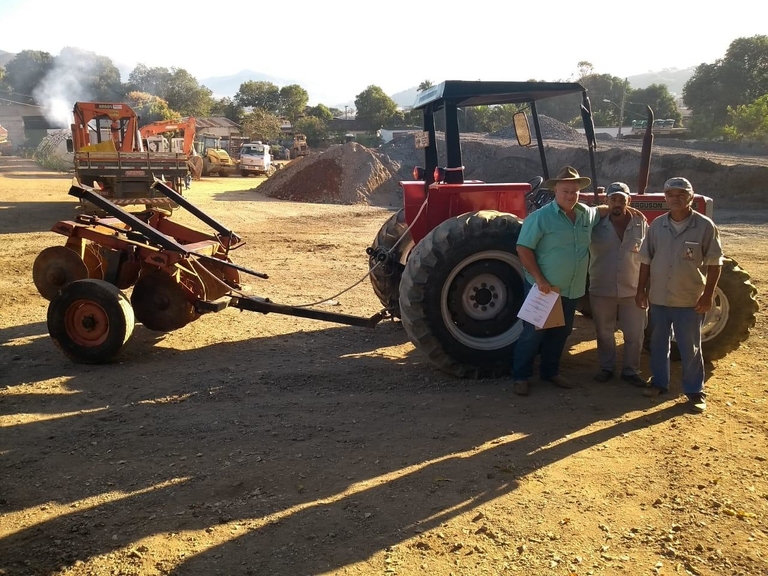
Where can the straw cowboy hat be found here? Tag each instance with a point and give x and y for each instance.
(568, 174)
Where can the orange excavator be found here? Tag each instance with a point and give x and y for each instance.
(109, 155)
(152, 134)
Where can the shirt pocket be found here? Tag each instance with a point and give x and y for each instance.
(583, 236)
(691, 252)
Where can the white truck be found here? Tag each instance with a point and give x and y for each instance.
(256, 159)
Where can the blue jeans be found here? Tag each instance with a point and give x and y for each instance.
(687, 326)
(549, 343)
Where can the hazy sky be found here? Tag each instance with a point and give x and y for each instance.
(336, 50)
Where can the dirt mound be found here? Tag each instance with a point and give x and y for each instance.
(344, 174)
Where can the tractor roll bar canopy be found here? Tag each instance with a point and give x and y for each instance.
(451, 95)
(479, 93)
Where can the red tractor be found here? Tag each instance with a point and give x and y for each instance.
(446, 263)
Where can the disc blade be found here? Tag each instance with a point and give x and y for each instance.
(160, 303)
(54, 268)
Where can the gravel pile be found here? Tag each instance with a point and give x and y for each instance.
(551, 129)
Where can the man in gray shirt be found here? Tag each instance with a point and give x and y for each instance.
(681, 263)
(614, 269)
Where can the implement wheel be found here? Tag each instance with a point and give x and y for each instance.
(90, 320)
(385, 278)
(461, 291)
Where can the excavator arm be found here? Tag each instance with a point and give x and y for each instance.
(187, 127)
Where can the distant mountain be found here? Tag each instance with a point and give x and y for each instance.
(5, 57)
(405, 98)
(673, 78)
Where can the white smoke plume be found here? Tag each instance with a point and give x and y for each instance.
(70, 81)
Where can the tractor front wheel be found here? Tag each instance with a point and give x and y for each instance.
(460, 293)
(386, 259)
(90, 320)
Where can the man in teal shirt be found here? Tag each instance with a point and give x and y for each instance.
(553, 247)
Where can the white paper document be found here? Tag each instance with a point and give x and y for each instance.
(537, 306)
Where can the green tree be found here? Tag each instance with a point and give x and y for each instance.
(262, 95)
(412, 117)
(585, 68)
(424, 85)
(293, 101)
(176, 86)
(739, 78)
(600, 87)
(313, 128)
(185, 95)
(374, 108)
(151, 108)
(153, 81)
(228, 108)
(748, 121)
(24, 72)
(656, 96)
(321, 111)
(261, 125)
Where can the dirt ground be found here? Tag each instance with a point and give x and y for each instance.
(272, 445)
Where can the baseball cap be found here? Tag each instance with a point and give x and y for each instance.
(617, 188)
(678, 183)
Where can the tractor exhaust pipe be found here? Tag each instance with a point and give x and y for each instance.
(645, 155)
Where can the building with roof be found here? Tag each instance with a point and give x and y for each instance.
(26, 123)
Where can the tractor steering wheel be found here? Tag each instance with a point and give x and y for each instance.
(535, 183)
(535, 199)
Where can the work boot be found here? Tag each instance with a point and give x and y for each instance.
(653, 391)
(520, 387)
(559, 381)
(604, 375)
(697, 403)
(635, 380)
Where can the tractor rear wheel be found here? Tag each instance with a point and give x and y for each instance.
(90, 320)
(461, 290)
(390, 251)
(732, 316)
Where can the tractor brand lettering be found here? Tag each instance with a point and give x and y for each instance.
(109, 106)
(649, 205)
